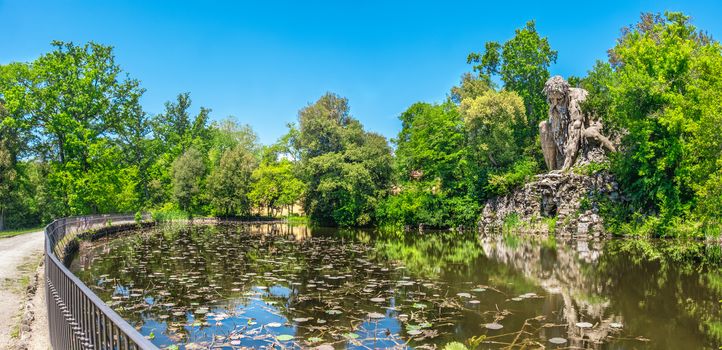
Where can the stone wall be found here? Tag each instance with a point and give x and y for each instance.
(569, 197)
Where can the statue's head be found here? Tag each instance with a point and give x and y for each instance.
(556, 90)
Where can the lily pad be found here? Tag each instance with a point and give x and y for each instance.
(351, 335)
(557, 340)
(584, 325)
(284, 337)
(493, 326)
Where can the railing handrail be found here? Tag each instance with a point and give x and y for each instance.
(84, 325)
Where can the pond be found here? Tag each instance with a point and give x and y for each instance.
(232, 286)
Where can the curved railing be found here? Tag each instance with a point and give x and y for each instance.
(77, 318)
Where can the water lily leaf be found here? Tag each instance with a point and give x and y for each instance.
(284, 337)
(376, 315)
(557, 340)
(455, 346)
(351, 335)
(412, 327)
(493, 326)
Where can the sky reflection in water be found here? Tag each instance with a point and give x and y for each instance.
(235, 285)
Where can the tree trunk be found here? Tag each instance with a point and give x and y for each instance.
(2, 219)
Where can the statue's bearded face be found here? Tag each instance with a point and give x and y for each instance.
(556, 99)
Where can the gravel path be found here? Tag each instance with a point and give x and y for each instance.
(19, 259)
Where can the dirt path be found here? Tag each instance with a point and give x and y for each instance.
(19, 259)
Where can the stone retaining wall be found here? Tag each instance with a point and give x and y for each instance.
(569, 198)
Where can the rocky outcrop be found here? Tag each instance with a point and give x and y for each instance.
(565, 203)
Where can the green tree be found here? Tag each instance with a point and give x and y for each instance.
(75, 98)
(345, 168)
(663, 87)
(229, 183)
(434, 186)
(188, 172)
(495, 123)
(174, 132)
(7, 178)
(522, 63)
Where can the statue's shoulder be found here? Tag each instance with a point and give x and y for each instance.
(577, 94)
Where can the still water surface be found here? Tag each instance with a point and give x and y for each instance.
(230, 286)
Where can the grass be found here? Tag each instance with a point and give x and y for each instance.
(295, 219)
(12, 233)
(511, 223)
(551, 224)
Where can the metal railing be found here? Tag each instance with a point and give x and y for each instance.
(77, 318)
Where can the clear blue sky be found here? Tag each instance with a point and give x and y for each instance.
(262, 62)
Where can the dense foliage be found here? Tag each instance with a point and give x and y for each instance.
(74, 140)
(663, 87)
(345, 168)
(480, 143)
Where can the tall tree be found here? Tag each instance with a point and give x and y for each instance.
(188, 172)
(346, 169)
(662, 86)
(434, 184)
(522, 63)
(75, 98)
(174, 132)
(7, 178)
(495, 124)
(230, 182)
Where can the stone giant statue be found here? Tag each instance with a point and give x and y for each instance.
(568, 132)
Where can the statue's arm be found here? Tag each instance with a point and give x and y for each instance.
(593, 133)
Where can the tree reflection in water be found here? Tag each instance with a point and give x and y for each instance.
(257, 285)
